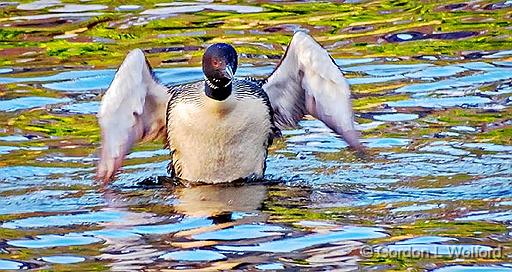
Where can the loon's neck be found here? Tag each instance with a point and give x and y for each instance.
(217, 89)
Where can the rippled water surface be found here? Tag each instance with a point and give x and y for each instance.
(432, 86)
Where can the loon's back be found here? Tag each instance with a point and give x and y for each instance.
(217, 141)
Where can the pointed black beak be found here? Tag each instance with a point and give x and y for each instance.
(228, 72)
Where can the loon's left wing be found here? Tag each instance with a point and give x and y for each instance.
(132, 110)
(307, 81)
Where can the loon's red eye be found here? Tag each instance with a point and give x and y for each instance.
(216, 63)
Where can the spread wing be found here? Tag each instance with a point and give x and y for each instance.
(307, 81)
(131, 110)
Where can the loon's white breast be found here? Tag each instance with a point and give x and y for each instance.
(217, 141)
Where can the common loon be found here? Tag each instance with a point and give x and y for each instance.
(219, 129)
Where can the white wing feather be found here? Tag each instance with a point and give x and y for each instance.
(307, 81)
(132, 110)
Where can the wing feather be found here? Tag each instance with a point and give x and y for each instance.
(307, 81)
(131, 110)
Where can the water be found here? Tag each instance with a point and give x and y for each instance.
(432, 85)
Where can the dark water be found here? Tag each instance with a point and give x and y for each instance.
(437, 180)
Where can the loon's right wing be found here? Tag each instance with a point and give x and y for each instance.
(307, 81)
(132, 110)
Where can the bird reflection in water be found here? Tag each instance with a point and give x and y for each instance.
(189, 231)
(129, 245)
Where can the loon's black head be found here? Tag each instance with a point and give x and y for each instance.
(219, 66)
